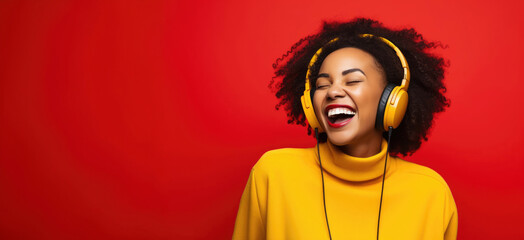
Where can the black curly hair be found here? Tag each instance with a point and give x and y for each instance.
(426, 90)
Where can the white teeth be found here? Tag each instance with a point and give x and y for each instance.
(335, 111)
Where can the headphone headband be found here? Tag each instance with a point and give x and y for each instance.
(405, 80)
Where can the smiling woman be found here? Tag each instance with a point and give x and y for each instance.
(353, 184)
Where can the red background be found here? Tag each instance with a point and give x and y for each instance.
(142, 119)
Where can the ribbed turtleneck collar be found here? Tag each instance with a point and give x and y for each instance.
(352, 168)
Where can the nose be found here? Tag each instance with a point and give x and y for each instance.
(335, 91)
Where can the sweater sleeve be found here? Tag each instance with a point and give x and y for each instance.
(249, 223)
(452, 218)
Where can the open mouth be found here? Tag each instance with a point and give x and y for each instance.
(339, 115)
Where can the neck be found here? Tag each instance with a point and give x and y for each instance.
(365, 148)
(352, 168)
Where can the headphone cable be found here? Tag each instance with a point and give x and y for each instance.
(323, 188)
(390, 130)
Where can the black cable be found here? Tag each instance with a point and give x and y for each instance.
(390, 130)
(323, 188)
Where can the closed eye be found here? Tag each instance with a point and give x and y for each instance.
(322, 83)
(352, 82)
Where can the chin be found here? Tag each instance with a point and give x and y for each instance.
(352, 137)
(340, 139)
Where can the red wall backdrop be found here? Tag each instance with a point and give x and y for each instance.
(142, 119)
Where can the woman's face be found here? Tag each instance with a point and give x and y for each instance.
(349, 86)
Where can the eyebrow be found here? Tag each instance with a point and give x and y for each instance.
(345, 72)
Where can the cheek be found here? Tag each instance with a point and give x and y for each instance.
(369, 105)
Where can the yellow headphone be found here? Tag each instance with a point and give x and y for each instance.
(393, 102)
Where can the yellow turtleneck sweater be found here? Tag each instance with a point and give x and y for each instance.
(283, 198)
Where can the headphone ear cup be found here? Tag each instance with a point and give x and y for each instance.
(396, 107)
(382, 105)
(309, 111)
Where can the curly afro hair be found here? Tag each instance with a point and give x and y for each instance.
(426, 90)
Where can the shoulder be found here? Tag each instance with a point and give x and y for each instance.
(421, 174)
(425, 183)
(285, 160)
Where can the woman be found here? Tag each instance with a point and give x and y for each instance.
(351, 83)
